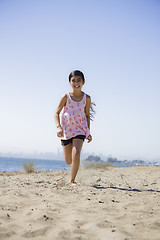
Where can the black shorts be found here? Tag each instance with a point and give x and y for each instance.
(68, 141)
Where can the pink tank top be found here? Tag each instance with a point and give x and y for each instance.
(74, 121)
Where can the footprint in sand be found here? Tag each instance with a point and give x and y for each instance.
(6, 234)
(36, 233)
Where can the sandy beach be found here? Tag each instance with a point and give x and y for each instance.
(110, 203)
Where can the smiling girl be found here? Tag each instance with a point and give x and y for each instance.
(74, 126)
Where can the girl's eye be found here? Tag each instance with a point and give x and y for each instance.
(78, 80)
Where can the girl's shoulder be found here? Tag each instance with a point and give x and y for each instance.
(64, 99)
(65, 96)
(88, 98)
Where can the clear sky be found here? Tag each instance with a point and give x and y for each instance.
(116, 43)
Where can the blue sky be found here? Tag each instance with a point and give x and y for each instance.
(117, 46)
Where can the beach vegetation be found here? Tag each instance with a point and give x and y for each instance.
(99, 165)
(29, 167)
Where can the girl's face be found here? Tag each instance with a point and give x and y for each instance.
(76, 82)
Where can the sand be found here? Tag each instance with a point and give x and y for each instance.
(110, 203)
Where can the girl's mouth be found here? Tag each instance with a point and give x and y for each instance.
(76, 86)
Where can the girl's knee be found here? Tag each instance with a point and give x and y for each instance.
(68, 153)
(68, 161)
(76, 151)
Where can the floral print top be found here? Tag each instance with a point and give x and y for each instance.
(74, 121)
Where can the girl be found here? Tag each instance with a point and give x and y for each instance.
(75, 123)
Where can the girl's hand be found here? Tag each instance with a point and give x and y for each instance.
(89, 138)
(59, 132)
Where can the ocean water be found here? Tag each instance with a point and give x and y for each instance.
(15, 164)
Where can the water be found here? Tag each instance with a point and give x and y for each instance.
(15, 164)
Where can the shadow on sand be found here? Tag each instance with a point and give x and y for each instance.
(124, 189)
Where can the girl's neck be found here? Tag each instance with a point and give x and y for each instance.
(77, 93)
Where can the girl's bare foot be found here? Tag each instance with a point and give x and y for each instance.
(73, 183)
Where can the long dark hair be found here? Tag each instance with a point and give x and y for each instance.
(92, 111)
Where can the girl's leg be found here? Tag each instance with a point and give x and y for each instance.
(76, 151)
(68, 153)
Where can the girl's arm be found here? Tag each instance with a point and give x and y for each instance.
(87, 109)
(87, 112)
(62, 103)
